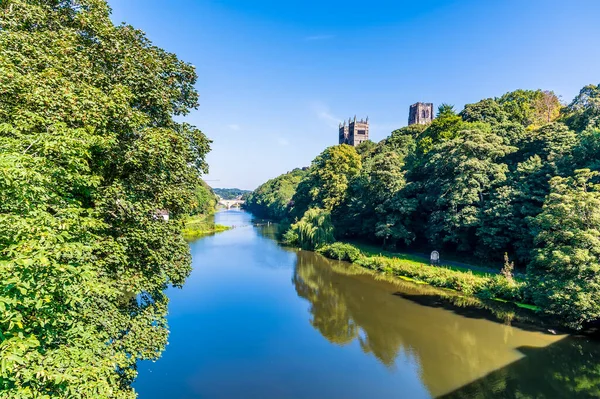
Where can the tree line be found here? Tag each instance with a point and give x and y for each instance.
(230, 193)
(516, 176)
(92, 162)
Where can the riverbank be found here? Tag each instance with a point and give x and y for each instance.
(381, 334)
(412, 268)
(202, 225)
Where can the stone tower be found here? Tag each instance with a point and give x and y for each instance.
(420, 113)
(354, 131)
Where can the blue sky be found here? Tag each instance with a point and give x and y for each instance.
(276, 77)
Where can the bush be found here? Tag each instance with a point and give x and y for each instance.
(312, 231)
(341, 251)
(483, 286)
(290, 237)
(501, 287)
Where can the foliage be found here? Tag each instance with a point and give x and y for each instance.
(230, 193)
(586, 151)
(90, 153)
(201, 225)
(312, 231)
(530, 107)
(584, 111)
(340, 251)
(564, 272)
(487, 110)
(327, 180)
(206, 201)
(445, 110)
(507, 269)
(271, 200)
(444, 128)
(466, 282)
(365, 148)
(472, 184)
(462, 171)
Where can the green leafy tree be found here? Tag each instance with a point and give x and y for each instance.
(399, 136)
(584, 111)
(487, 110)
(564, 273)
(365, 148)
(89, 155)
(586, 152)
(547, 107)
(312, 231)
(327, 180)
(446, 127)
(552, 142)
(543, 153)
(272, 199)
(206, 200)
(445, 110)
(530, 107)
(509, 208)
(368, 195)
(462, 171)
(512, 133)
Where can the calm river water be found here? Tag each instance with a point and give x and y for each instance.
(256, 320)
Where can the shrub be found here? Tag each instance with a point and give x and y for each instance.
(312, 231)
(341, 251)
(290, 237)
(500, 287)
(482, 286)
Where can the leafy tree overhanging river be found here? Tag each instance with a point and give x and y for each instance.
(257, 320)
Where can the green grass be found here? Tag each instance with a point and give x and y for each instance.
(469, 282)
(199, 226)
(372, 250)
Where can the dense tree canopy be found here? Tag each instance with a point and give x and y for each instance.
(485, 182)
(90, 156)
(327, 180)
(462, 171)
(565, 270)
(584, 111)
(206, 200)
(272, 199)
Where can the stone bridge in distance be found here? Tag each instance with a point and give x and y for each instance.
(235, 203)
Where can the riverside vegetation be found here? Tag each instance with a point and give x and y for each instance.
(91, 156)
(201, 222)
(511, 178)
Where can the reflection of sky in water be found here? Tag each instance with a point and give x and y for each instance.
(255, 320)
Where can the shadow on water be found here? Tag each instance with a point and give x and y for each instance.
(240, 329)
(476, 308)
(568, 368)
(462, 351)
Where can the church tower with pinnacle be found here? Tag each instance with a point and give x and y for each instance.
(354, 131)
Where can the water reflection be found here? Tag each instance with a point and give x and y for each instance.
(461, 357)
(568, 368)
(239, 329)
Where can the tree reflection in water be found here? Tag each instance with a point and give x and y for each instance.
(462, 352)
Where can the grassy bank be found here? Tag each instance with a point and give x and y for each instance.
(488, 286)
(201, 225)
(449, 261)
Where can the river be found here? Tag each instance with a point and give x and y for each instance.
(256, 320)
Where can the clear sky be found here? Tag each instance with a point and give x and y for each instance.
(276, 77)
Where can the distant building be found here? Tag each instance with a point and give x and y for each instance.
(162, 214)
(420, 113)
(354, 132)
